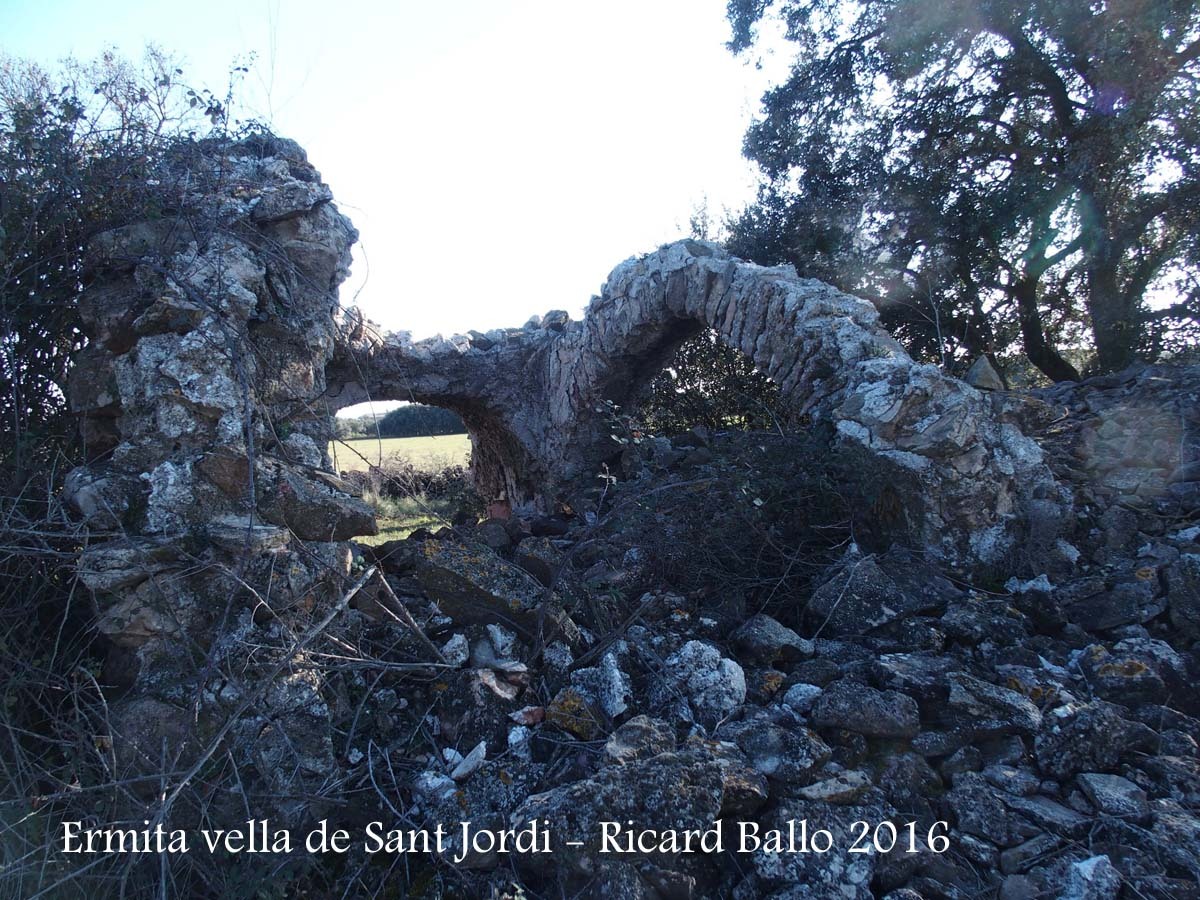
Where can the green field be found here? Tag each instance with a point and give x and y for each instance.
(429, 453)
(398, 516)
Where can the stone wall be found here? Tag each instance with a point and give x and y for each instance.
(207, 500)
(218, 354)
(215, 549)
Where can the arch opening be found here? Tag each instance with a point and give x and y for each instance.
(537, 398)
(500, 467)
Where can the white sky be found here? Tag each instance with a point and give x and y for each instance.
(498, 158)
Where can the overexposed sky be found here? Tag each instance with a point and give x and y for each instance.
(498, 158)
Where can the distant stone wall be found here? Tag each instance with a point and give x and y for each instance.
(532, 397)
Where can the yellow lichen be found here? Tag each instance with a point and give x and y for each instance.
(1128, 668)
(571, 712)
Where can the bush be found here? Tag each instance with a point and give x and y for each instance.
(748, 530)
(79, 154)
(711, 384)
(76, 155)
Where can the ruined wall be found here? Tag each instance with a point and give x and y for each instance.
(532, 397)
(215, 552)
(208, 507)
(217, 355)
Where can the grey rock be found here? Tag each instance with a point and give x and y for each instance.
(1177, 836)
(864, 595)
(1177, 777)
(474, 586)
(801, 697)
(1030, 853)
(123, 564)
(639, 738)
(1114, 795)
(713, 685)
(1129, 601)
(606, 684)
(763, 640)
(781, 753)
(920, 675)
(1019, 782)
(1183, 595)
(1080, 738)
(910, 783)
(484, 801)
(1017, 887)
(1047, 814)
(670, 791)
(845, 787)
(966, 759)
(859, 708)
(493, 534)
(1094, 878)
(984, 376)
(312, 508)
(744, 788)
(993, 709)
(979, 809)
(837, 872)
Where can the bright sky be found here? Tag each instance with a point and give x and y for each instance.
(498, 158)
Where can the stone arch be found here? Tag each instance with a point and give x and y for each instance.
(501, 466)
(540, 386)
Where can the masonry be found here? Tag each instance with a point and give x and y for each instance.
(218, 355)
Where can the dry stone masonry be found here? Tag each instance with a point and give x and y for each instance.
(535, 398)
(207, 497)
(218, 354)
(1048, 727)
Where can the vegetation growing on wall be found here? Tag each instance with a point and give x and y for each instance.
(77, 147)
(709, 384)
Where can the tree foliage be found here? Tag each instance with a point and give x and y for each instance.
(988, 171)
(710, 384)
(415, 420)
(77, 151)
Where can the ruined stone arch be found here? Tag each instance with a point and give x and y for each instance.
(496, 452)
(213, 368)
(536, 388)
(528, 395)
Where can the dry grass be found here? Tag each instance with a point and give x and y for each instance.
(398, 517)
(400, 512)
(426, 453)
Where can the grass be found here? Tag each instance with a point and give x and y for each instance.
(398, 517)
(427, 453)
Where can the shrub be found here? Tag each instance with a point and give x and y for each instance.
(711, 384)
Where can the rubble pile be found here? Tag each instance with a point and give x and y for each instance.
(1046, 730)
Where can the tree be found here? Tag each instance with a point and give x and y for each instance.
(416, 420)
(984, 169)
(77, 148)
(709, 383)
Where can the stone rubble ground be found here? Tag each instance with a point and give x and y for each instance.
(1060, 748)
